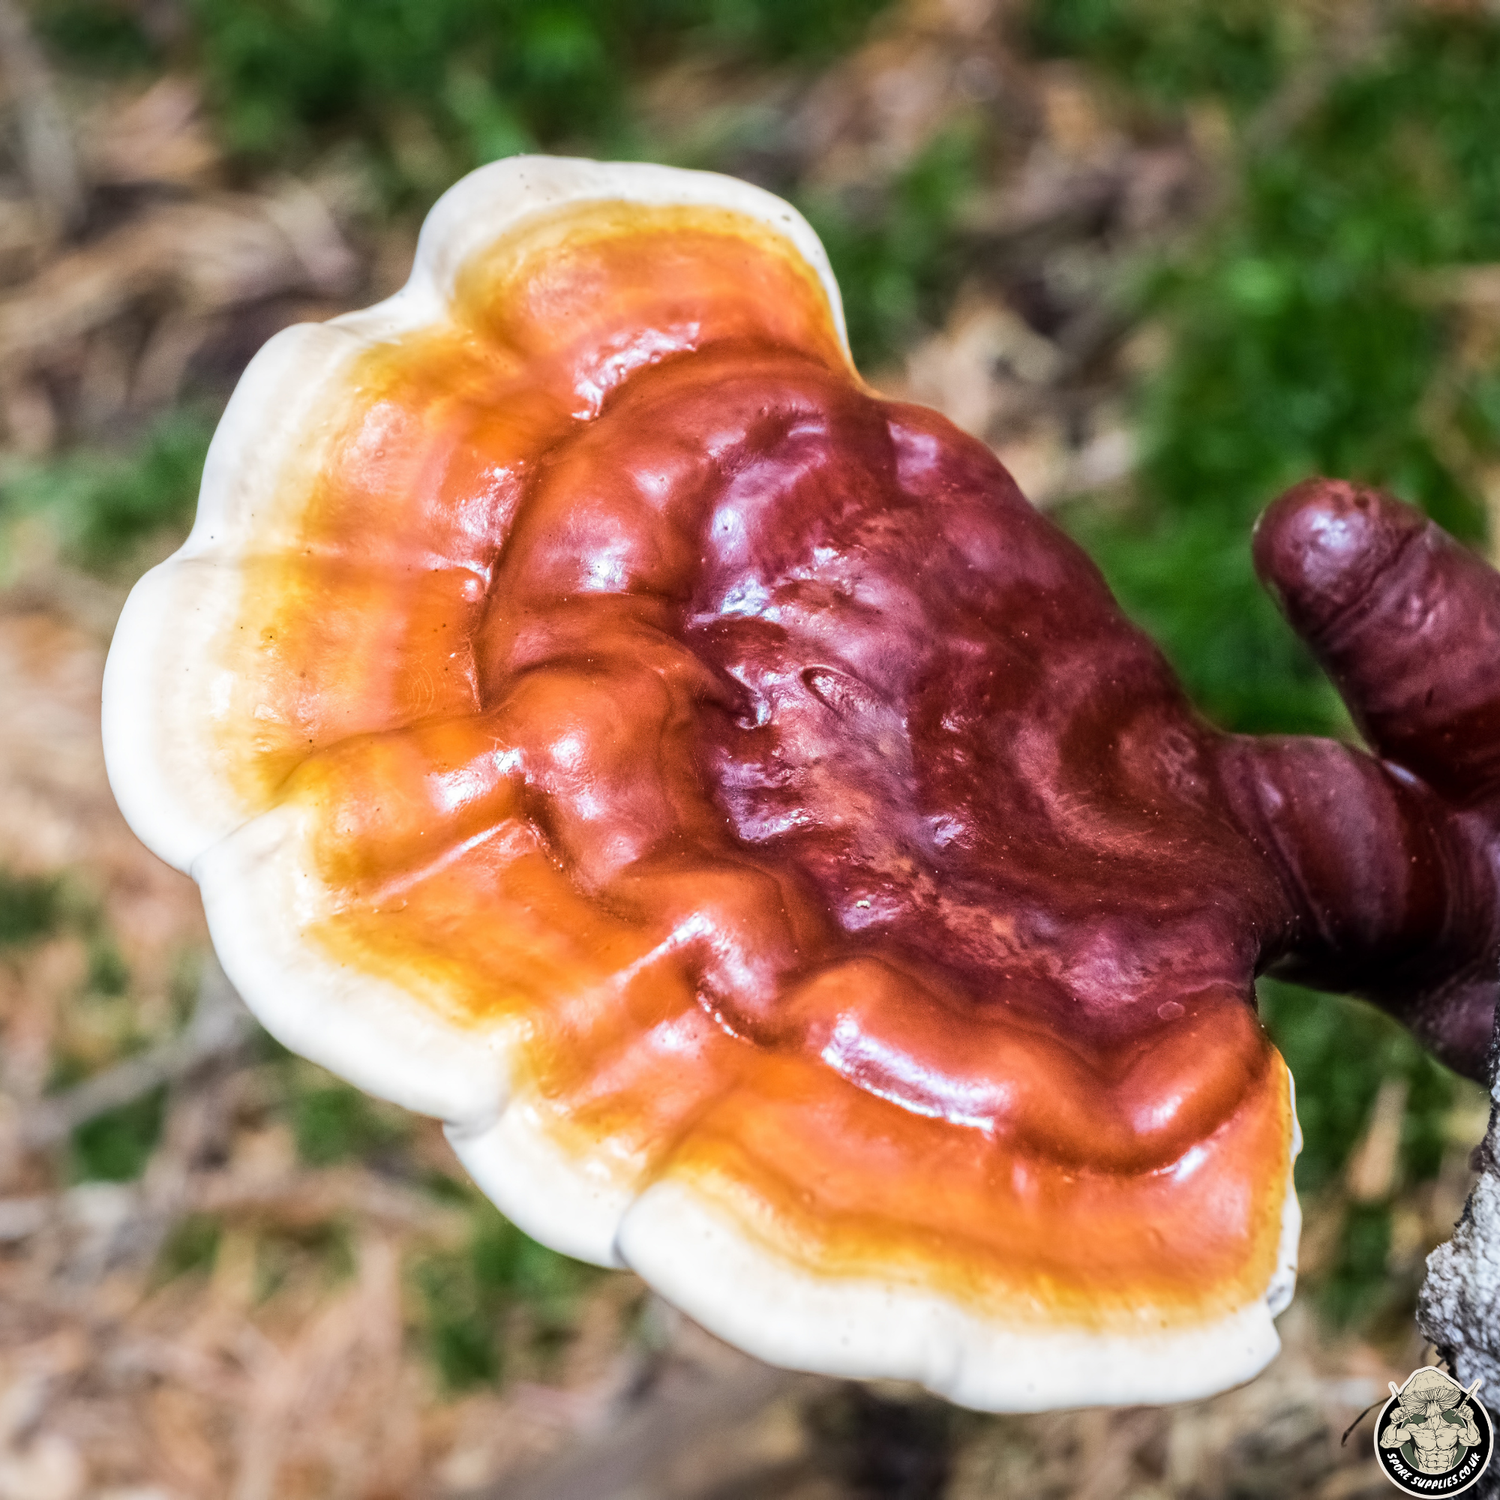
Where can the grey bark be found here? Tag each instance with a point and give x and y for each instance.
(1459, 1308)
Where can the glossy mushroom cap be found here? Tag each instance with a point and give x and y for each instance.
(596, 718)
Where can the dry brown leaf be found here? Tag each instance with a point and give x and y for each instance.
(159, 136)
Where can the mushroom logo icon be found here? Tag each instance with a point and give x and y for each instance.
(1432, 1437)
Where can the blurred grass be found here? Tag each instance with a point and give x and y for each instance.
(897, 252)
(117, 1146)
(1339, 1051)
(1171, 51)
(104, 1024)
(333, 1122)
(1300, 340)
(473, 1297)
(104, 506)
(432, 88)
(424, 92)
(497, 1292)
(30, 908)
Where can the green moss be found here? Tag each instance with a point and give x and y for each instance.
(1356, 1288)
(192, 1246)
(1186, 578)
(1172, 50)
(468, 1296)
(105, 504)
(31, 908)
(116, 1146)
(333, 1122)
(108, 974)
(100, 38)
(1339, 1051)
(896, 252)
(1301, 343)
(476, 79)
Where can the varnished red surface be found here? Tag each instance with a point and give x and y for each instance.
(801, 793)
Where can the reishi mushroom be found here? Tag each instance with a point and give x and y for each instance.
(596, 718)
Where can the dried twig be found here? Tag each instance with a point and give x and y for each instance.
(314, 1197)
(294, 1200)
(629, 1457)
(219, 1027)
(47, 145)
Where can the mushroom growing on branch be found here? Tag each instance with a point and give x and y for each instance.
(598, 719)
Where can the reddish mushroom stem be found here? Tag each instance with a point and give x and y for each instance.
(1393, 861)
(1407, 624)
(1405, 621)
